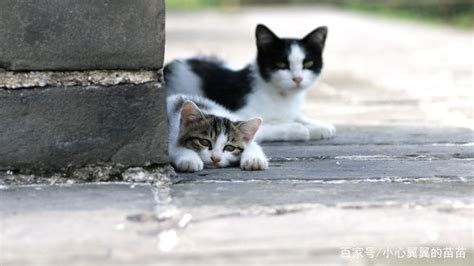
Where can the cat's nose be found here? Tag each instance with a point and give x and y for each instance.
(215, 159)
(297, 80)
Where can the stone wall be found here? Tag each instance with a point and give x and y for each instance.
(81, 85)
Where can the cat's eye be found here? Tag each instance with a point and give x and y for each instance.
(229, 148)
(281, 65)
(204, 142)
(308, 63)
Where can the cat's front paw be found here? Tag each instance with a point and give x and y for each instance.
(189, 164)
(253, 164)
(321, 131)
(298, 132)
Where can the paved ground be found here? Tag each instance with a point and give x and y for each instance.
(398, 176)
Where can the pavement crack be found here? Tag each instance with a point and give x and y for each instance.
(276, 210)
(376, 157)
(389, 179)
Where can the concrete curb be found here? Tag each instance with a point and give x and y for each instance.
(81, 85)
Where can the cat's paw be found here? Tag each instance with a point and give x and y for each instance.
(189, 164)
(321, 131)
(296, 132)
(254, 163)
(283, 132)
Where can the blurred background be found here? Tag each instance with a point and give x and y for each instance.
(455, 12)
(388, 62)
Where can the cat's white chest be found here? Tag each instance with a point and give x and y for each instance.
(272, 106)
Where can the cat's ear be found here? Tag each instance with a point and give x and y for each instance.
(190, 114)
(249, 129)
(265, 36)
(317, 37)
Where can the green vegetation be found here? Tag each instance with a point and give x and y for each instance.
(455, 12)
(196, 4)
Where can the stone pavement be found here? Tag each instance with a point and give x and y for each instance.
(315, 199)
(399, 175)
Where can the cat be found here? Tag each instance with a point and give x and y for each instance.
(272, 87)
(203, 134)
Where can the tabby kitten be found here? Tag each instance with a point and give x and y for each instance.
(204, 134)
(272, 87)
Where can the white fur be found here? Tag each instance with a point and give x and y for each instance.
(184, 80)
(280, 110)
(253, 158)
(283, 131)
(188, 160)
(185, 160)
(272, 105)
(317, 130)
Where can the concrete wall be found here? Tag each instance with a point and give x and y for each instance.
(80, 84)
(81, 34)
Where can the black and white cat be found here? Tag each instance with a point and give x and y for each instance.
(273, 87)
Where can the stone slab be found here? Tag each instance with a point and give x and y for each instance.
(118, 224)
(435, 193)
(342, 169)
(289, 151)
(60, 127)
(81, 197)
(395, 135)
(311, 237)
(430, 192)
(81, 35)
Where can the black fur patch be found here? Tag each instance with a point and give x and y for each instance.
(315, 54)
(221, 84)
(267, 57)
